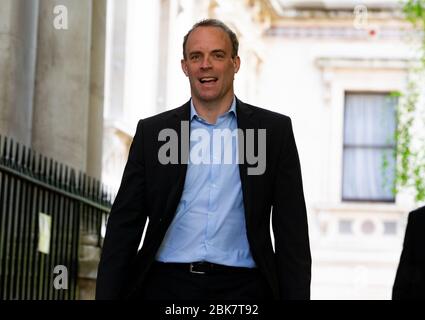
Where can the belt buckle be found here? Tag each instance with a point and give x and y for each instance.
(194, 271)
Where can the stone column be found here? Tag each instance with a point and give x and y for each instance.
(115, 60)
(141, 61)
(89, 252)
(163, 51)
(97, 80)
(62, 88)
(18, 34)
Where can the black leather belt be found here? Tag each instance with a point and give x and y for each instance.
(203, 267)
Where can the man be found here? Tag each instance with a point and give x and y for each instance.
(409, 283)
(208, 235)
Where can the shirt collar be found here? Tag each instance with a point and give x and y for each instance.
(193, 112)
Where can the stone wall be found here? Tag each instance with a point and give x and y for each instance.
(87, 266)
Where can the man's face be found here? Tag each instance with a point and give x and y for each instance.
(209, 64)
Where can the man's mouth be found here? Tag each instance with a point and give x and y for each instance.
(208, 80)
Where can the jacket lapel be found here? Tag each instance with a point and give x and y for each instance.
(245, 121)
(179, 121)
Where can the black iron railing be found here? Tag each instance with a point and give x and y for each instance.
(32, 185)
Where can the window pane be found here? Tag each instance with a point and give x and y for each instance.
(369, 119)
(364, 175)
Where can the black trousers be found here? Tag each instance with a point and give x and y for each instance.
(164, 282)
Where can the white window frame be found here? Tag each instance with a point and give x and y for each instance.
(341, 75)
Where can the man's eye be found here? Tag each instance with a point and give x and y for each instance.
(196, 57)
(219, 55)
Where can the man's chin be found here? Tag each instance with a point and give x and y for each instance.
(208, 98)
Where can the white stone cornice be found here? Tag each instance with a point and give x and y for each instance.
(362, 63)
(281, 5)
(340, 32)
(330, 66)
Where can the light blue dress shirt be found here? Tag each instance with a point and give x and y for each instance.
(209, 224)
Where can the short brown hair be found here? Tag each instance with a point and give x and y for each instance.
(214, 23)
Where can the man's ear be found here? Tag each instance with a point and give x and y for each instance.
(236, 63)
(184, 67)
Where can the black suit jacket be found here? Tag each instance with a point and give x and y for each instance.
(410, 278)
(152, 190)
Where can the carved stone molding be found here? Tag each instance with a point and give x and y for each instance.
(362, 63)
(339, 32)
(330, 66)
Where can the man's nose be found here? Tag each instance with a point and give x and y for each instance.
(206, 63)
